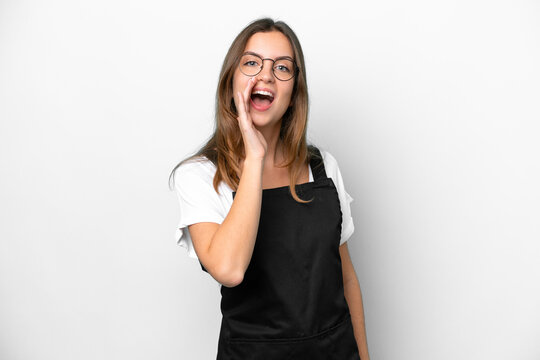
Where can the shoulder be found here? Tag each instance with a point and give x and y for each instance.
(330, 163)
(199, 164)
(328, 157)
(194, 169)
(333, 172)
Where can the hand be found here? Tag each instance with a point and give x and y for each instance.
(254, 142)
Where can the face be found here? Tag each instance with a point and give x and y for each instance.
(267, 45)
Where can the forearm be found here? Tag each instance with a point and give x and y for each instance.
(234, 240)
(353, 295)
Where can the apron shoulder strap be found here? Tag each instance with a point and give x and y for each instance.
(316, 162)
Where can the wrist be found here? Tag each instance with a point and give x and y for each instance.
(253, 165)
(254, 161)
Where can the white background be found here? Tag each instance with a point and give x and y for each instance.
(430, 108)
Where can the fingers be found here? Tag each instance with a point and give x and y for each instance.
(254, 142)
(240, 104)
(247, 91)
(242, 101)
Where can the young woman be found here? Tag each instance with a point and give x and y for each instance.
(267, 216)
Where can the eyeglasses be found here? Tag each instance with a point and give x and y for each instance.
(284, 68)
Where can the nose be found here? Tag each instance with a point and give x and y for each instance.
(266, 74)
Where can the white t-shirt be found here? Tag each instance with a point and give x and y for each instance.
(199, 202)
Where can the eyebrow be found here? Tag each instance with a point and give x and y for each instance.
(259, 55)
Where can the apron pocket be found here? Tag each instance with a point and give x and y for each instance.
(336, 343)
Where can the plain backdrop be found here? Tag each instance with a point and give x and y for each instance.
(430, 108)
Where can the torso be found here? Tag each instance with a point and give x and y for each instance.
(277, 177)
(274, 176)
(291, 303)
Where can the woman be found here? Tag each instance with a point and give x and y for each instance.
(264, 212)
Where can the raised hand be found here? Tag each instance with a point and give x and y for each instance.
(254, 143)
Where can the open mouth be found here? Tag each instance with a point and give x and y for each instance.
(261, 100)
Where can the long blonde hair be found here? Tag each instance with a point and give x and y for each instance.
(225, 148)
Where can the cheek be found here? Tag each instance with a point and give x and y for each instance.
(287, 92)
(239, 85)
(235, 86)
(236, 83)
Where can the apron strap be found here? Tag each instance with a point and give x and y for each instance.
(317, 164)
(317, 168)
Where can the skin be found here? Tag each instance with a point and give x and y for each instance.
(353, 295)
(225, 249)
(261, 128)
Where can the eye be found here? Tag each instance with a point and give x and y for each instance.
(251, 63)
(282, 68)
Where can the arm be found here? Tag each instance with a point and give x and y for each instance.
(225, 249)
(353, 295)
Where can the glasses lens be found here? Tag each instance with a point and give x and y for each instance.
(250, 64)
(284, 69)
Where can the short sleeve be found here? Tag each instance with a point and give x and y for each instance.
(199, 202)
(332, 170)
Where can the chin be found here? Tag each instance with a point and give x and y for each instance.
(265, 119)
(261, 123)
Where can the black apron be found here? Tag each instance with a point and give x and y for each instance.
(291, 303)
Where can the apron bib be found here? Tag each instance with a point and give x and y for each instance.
(291, 302)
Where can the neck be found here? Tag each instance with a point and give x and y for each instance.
(274, 150)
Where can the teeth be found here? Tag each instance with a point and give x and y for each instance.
(262, 92)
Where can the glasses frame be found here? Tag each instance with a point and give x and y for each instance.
(294, 73)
